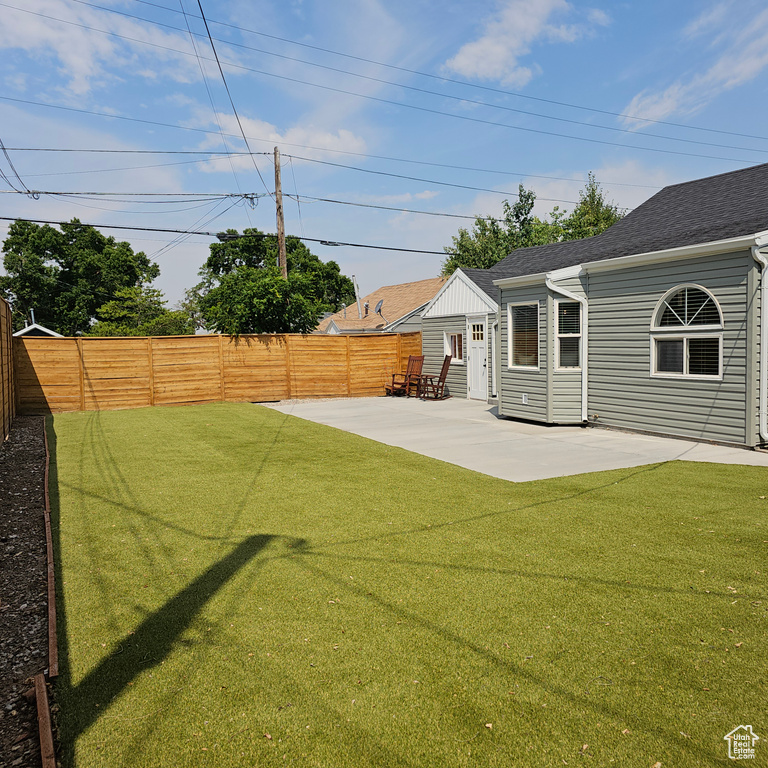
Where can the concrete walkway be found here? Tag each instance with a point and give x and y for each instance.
(468, 433)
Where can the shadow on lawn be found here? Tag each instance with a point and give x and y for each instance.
(145, 647)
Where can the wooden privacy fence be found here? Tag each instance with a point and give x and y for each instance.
(86, 374)
(7, 389)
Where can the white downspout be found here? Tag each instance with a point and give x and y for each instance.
(573, 297)
(762, 260)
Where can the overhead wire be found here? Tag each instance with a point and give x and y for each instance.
(13, 169)
(231, 100)
(368, 77)
(418, 107)
(519, 174)
(210, 97)
(322, 241)
(245, 197)
(456, 81)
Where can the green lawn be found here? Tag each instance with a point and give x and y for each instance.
(243, 588)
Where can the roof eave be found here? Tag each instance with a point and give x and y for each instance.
(711, 248)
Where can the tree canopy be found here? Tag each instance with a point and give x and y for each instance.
(73, 277)
(490, 239)
(242, 291)
(139, 311)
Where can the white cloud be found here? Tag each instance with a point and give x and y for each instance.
(88, 58)
(743, 55)
(262, 136)
(509, 35)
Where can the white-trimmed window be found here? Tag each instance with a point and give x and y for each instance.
(686, 335)
(568, 335)
(454, 346)
(523, 323)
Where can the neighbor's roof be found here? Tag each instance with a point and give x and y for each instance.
(37, 330)
(701, 211)
(398, 301)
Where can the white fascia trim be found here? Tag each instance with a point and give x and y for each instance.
(650, 257)
(566, 273)
(671, 254)
(510, 282)
(390, 326)
(449, 281)
(479, 292)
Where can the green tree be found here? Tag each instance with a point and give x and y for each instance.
(593, 214)
(242, 291)
(66, 274)
(139, 311)
(490, 240)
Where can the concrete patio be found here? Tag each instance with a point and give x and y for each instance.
(468, 433)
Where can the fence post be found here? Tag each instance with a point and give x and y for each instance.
(286, 339)
(151, 371)
(349, 369)
(221, 368)
(81, 362)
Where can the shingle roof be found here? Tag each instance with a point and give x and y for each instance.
(714, 208)
(398, 301)
(483, 278)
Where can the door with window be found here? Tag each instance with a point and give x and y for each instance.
(477, 369)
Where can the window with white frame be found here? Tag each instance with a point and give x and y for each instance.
(454, 346)
(686, 335)
(523, 320)
(568, 334)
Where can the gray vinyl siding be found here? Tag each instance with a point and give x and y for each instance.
(566, 397)
(433, 330)
(515, 382)
(622, 391)
(566, 384)
(753, 358)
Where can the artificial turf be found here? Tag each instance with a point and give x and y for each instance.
(243, 588)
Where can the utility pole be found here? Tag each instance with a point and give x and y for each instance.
(282, 261)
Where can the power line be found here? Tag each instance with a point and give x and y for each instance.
(13, 168)
(393, 208)
(519, 174)
(427, 181)
(405, 105)
(322, 241)
(452, 80)
(361, 76)
(211, 197)
(231, 101)
(210, 95)
(322, 162)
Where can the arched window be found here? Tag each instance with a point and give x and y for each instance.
(686, 335)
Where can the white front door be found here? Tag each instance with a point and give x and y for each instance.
(478, 359)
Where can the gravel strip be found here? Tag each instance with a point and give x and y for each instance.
(23, 590)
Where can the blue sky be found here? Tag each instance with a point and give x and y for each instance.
(468, 99)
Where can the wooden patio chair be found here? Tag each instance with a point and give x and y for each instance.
(433, 387)
(405, 383)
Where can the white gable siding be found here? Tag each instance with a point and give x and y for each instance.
(458, 297)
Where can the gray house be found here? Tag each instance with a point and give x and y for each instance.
(653, 325)
(462, 321)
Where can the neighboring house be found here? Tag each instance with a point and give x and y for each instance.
(37, 330)
(391, 309)
(653, 325)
